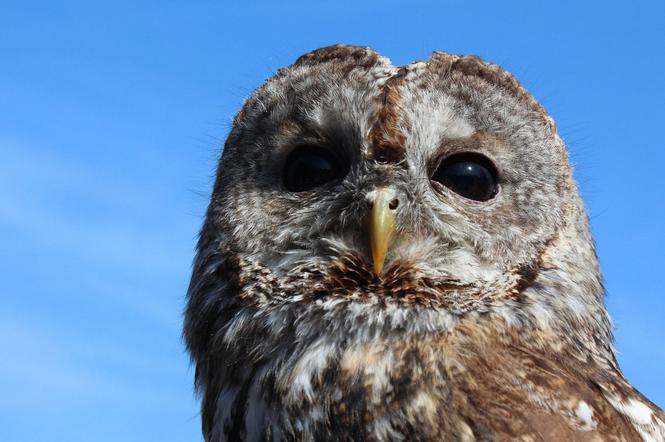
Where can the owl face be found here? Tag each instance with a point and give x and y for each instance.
(362, 209)
(440, 183)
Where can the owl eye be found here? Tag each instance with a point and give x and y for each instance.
(310, 167)
(471, 175)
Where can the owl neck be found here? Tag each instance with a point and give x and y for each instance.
(347, 358)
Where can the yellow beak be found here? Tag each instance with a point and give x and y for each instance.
(382, 225)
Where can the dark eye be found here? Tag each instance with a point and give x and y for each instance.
(310, 167)
(470, 175)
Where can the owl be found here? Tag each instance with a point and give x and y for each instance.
(401, 253)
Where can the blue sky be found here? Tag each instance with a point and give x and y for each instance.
(112, 117)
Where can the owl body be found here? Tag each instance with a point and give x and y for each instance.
(401, 253)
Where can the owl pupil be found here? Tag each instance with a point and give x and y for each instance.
(310, 167)
(469, 175)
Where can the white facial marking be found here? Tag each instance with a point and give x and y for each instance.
(585, 413)
(638, 412)
(308, 366)
(650, 427)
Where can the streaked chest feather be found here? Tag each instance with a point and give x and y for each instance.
(470, 383)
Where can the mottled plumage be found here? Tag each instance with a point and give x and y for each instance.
(487, 320)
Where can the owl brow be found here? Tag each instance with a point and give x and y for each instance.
(476, 142)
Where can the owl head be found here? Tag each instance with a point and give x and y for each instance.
(355, 199)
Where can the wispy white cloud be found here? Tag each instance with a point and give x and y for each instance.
(48, 368)
(87, 211)
(45, 372)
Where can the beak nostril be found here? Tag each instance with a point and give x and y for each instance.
(392, 205)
